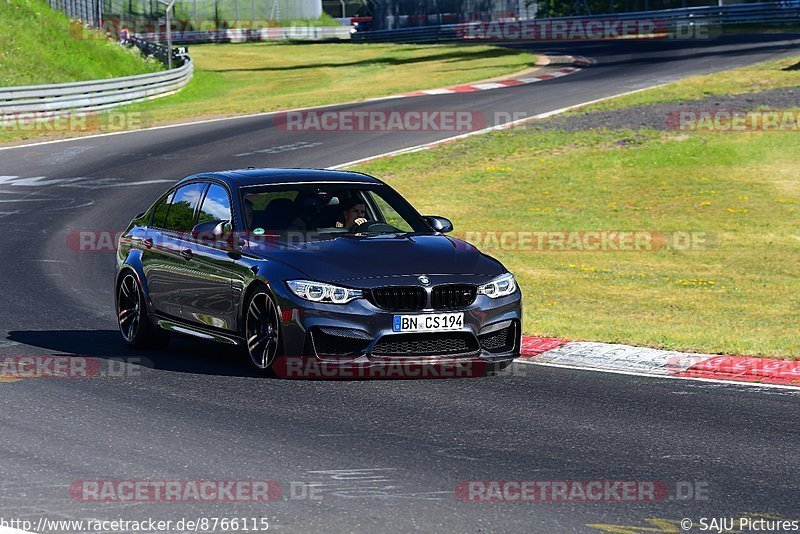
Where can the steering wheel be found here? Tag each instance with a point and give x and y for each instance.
(373, 227)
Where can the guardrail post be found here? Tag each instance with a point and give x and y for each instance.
(169, 5)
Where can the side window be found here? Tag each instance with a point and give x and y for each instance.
(160, 211)
(389, 214)
(216, 205)
(181, 211)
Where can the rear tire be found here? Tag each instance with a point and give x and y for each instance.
(134, 323)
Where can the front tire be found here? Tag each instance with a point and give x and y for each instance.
(134, 324)
(262, 330)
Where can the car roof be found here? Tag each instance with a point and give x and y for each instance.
(251, 177)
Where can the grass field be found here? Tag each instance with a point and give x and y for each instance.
(38, 46)
(733, 290)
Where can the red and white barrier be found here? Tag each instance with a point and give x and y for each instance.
(627, 359)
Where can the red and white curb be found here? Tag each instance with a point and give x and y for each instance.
(497, 85)
(575, 62)
(625, 359)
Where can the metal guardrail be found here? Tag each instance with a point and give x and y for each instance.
(782, 12)
(241, 35)
(94, 95)
(422, 34)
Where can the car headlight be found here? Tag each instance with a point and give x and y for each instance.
(499, 287)
(319, 292)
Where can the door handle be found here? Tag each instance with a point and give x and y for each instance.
(187, 253)
(147, 242)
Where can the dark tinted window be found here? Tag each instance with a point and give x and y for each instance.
(181, 210)
(160, 211)
(216, 205)
(327, 208)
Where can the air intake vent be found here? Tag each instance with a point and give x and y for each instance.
(500, 340)
(438, 344)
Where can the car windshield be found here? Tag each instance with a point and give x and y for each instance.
(328, 209)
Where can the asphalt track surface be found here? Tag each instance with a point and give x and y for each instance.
(384, 455)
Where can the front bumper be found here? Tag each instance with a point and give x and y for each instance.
(359, 335)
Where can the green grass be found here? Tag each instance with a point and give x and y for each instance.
(38, 46)
(737, 294)
(750, 79)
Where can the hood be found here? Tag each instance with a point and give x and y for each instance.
(354, 257)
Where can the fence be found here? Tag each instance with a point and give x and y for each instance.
(399, 14)
(89, 12)
(198, 14)
(343, 9)
(785, 12)
(241, 35)
(96, 95)
(219, 11)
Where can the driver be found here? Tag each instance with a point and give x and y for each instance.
(354, 212)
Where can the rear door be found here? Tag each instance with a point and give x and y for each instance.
(152, 259)
(165, 267)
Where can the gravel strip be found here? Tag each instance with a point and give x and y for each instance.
(661, 116)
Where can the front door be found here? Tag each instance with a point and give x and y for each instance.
(207, 297)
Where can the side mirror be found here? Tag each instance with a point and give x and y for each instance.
(439, 224)
(218, 232)
(211, 231)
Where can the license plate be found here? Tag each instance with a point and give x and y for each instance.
(429, 322)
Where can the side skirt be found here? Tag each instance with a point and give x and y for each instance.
(178, 327)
